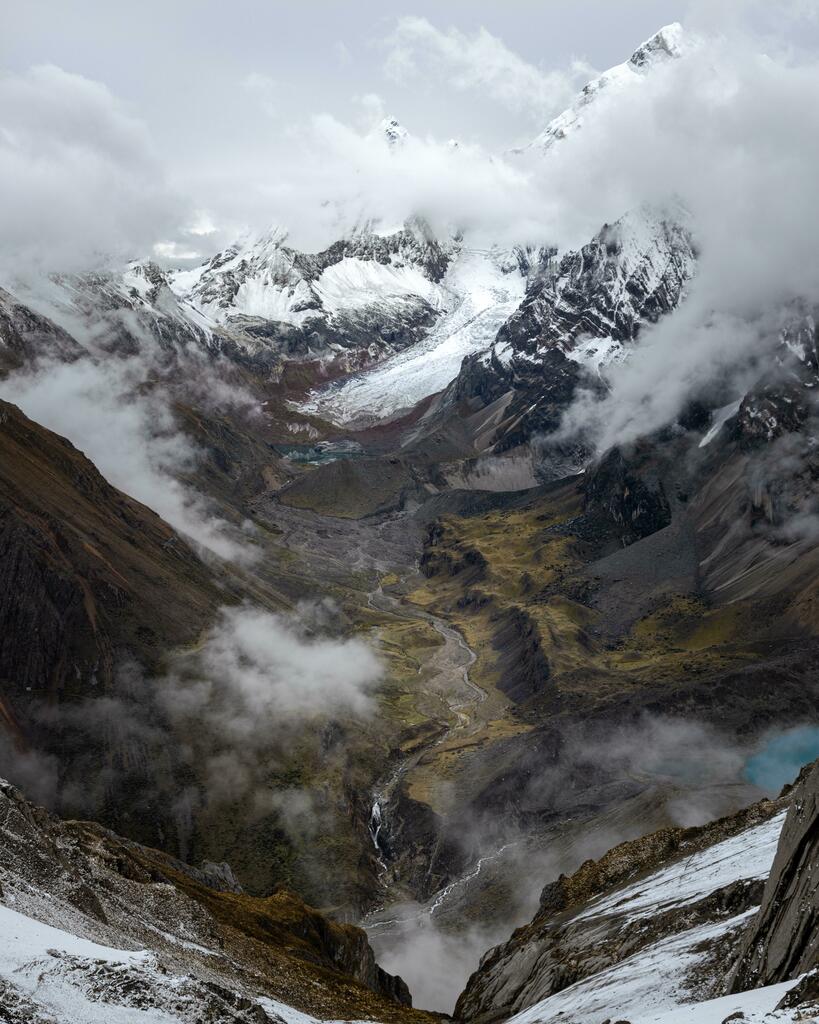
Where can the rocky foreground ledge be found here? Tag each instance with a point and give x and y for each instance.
(94, 928)
(683, 925)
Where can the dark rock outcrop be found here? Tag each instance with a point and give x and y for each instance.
(783, 941)
(624, 489)
(628, 275)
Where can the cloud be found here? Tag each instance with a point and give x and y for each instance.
(210, 733)
(129, 432)
(78, 174)
(479, 63)
(342, 53)
(733, 136)
(274, 669)
(335, 176)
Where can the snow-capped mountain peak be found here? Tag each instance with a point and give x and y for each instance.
(393, 131)
(667, 44)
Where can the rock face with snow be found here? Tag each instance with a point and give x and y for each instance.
(26, 335)
(783, 940)
(95, 928)
(366, 295)
(783, 401)
(596, 300)
(256, 303)
(122, 310)
(654, 52)
(578, 315)
(647, 928)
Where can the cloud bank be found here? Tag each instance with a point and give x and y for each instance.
(78, 174)
(129, 432)
(480, 63)
(730, 129)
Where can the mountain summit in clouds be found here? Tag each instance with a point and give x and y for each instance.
(393, 131)
(664, 45)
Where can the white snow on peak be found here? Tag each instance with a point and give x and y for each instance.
(269, 286)
(668, 43)
(480, 290)
(261, 277)
(650, 986)
(354, 283)
(393, 131)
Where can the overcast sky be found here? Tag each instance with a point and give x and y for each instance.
(207, 101)
(184, 65)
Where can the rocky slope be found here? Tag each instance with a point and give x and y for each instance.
(94, 581)
(782, 942)
(664, 901)
(95, 928)
(579, 314)
(656, 924)
(89, 572)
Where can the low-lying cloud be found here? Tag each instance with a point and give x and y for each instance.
(271, 666)
(213, 731)
(600, 784)
(129, 432)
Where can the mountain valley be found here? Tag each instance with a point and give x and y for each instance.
(361, 659)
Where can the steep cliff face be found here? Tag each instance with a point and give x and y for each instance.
(86, 569)
(783, 940)
(93, 925)
(596, 300)
(26, 335)
(646, 928)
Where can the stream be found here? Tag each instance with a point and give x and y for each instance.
(455, 658)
